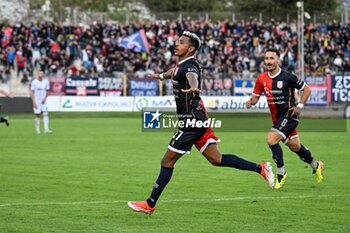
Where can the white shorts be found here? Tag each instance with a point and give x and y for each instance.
(41, 108)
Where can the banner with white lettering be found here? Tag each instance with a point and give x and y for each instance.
(217, 87)
(143, 87)
(319, 90)
(110, 86)
(339, 90)
(81, 86)
(244, 87)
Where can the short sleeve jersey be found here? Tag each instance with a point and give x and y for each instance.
(188, 105)
(279, 91)
(40, 88)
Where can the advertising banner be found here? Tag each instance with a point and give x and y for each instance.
(339, 90)
(143, 87)
(137, 104)
(57, 86)
(319, 90)
(154, 102)
(110, 86)
(217, 87)
(233, 104)
(243, 87)
(77, 86)
(96, 104)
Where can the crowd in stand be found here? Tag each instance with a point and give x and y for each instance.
(229, 48)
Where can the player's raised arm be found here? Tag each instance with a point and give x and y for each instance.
(162, 76)
(192, 79)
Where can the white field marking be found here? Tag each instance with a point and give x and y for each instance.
(178, 200)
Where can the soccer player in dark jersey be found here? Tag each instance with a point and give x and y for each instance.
(278, 86)
(5, 119)
(186, 77)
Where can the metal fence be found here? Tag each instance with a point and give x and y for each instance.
(75, 16)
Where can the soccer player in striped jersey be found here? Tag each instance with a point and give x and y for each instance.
(278, 86)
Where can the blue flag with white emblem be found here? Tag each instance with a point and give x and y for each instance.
(136, 42)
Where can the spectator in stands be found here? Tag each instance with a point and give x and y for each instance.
(21, 61)
(11, 56)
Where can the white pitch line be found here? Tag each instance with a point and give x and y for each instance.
(178, 200)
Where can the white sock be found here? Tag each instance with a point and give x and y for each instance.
(46, 121)
(37, 124)
(280, 171)
(313, 164)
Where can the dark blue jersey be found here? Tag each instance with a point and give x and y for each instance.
(188, 105)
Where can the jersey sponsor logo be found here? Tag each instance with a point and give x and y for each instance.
(276, 91)
(267, 90)
(279, 84)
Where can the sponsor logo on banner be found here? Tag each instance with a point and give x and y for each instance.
(110, 86)
(340, 89)
(319, 90)
(96, 104)
(154, 102)
(143, 87)
(244, 87)
(81, 86)
(233, 104)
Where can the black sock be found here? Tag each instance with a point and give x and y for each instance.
(277, 154)
(2, 119)
(304, 154)
(239, 163)
(163, 179)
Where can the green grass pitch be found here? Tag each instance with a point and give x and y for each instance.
(80, 178)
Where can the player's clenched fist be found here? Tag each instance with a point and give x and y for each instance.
(249, 104)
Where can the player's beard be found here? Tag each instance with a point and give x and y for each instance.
(271, 67)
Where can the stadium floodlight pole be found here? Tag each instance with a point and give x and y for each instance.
(300, 5)
(47, 7)
(346, 14)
